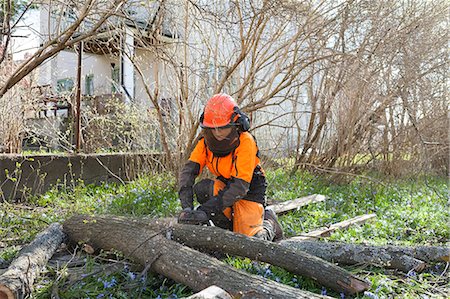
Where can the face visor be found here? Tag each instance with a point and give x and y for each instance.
(221, 145)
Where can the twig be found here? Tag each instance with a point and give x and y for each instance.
(109, 171)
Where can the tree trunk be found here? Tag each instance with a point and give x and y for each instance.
(171, 259)
(17, 281)
(394, 257)
(295, 261)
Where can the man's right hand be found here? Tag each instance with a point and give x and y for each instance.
(195, 217)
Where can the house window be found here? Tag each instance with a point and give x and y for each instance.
(89, 84)
(115, 78)
(64, 85)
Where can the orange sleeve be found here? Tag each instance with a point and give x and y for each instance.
(245, 160)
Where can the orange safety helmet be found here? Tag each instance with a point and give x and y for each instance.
(219, 112)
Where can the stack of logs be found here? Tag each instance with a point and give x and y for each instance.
(177, 251)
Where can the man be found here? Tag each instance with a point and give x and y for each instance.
(235, 199)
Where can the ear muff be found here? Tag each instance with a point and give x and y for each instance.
(243, 121)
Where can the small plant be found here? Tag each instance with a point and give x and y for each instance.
(409, 212)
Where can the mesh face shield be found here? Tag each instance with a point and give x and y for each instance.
(221, 148)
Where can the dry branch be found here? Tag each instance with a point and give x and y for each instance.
(17, 281)
(171, 259)
(393, 257)
(296, 203)
(326, 231)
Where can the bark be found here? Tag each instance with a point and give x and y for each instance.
(393, 257)
(326, 231)
(184, 265)
(289, 205)
(17, 281)
(294, 261)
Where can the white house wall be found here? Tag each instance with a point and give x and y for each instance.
(25, 40)
(64, 66)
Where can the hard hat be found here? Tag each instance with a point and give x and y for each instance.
(219, 111)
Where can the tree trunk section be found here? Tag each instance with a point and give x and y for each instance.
(394, 257)
(17, 281)
(171, 259)
(294, 261)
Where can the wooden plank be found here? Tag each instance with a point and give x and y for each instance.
(289, 205)
(212, 292)
(326, 231)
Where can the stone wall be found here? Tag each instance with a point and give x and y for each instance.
(22, 176)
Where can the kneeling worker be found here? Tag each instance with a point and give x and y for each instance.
(235, 199)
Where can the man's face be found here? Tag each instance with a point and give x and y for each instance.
(221, 133)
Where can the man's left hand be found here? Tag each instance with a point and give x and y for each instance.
(195, 217)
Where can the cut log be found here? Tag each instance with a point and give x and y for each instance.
(289, 205)
(18, 280)
(352, 254)
(171, 259)
(326, 231)
(393, 257)
(295, 261)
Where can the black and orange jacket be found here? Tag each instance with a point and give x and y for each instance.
(241, 170)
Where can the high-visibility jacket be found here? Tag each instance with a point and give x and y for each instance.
(240, 171)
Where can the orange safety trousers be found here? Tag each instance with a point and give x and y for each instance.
(247, 216)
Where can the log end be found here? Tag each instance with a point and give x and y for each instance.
(356, 286)
(6, 293)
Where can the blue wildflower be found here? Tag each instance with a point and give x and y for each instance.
(324, 291)
(109, 284)
(100, 296)
(131, 275)
(342, 295)
(411, 273)
(370, 295)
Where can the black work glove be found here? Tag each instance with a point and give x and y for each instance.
(189, 216)
(186, 196)
(212, 207)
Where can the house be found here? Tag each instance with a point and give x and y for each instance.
(108, 61)
(119, 62)
(179, 61)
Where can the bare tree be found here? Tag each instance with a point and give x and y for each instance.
(327, 84)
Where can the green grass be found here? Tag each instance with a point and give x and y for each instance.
(409, 212)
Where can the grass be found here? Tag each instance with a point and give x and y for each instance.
(409, 212)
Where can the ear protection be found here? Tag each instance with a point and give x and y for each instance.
(242, 120)
(238, 118)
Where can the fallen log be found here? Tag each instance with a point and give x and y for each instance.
(215, 239)
(326, 231)
(209, 239)
(17, 281)
(352, 254)
(289, 205)
(392, 257)
(171, 259)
